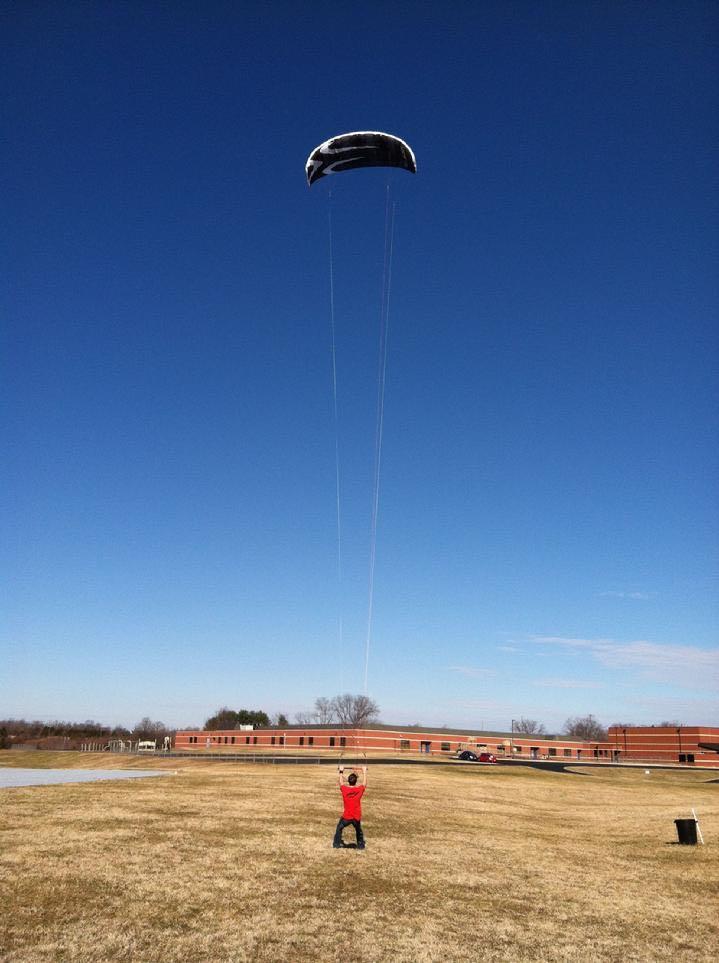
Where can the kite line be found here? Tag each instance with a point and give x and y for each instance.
(337, 437)
(389, 220)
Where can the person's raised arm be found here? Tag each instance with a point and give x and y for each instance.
(364, 773)
(340, 772)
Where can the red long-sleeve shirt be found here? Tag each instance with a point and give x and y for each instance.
(351, 796)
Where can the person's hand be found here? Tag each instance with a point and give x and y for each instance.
(342, 768)
(364, 768)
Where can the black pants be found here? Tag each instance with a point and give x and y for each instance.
(337, 841)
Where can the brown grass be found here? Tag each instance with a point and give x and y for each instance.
(233, 862)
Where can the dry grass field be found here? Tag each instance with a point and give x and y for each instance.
(233, 862)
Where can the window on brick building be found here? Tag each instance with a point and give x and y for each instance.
(445, 747)
(332, 740)
(310, 740)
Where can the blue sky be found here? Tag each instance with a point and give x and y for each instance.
(547, 533)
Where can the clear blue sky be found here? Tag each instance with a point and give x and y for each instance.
(547, 537)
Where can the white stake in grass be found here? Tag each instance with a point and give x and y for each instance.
(699, 832)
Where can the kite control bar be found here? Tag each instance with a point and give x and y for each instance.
(341, 766)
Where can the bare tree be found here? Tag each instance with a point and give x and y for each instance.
(305, 718)
(585, 727)
(147, 729)
(355, 710)
(530, 727)
(325, 712)
(670, 724)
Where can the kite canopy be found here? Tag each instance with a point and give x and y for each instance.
(361, 148)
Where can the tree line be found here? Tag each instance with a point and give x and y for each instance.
(577, 727)
(344, 710)
(14, 731)
(586, 728)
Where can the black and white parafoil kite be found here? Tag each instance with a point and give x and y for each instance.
(361, 148)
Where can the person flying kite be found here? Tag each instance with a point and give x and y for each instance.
(352, 812)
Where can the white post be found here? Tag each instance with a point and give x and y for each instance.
(699, 832)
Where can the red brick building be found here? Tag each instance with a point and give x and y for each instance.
(379, 739)
(688, 745)
(691, 745)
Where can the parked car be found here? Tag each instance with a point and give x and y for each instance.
(466, 755)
